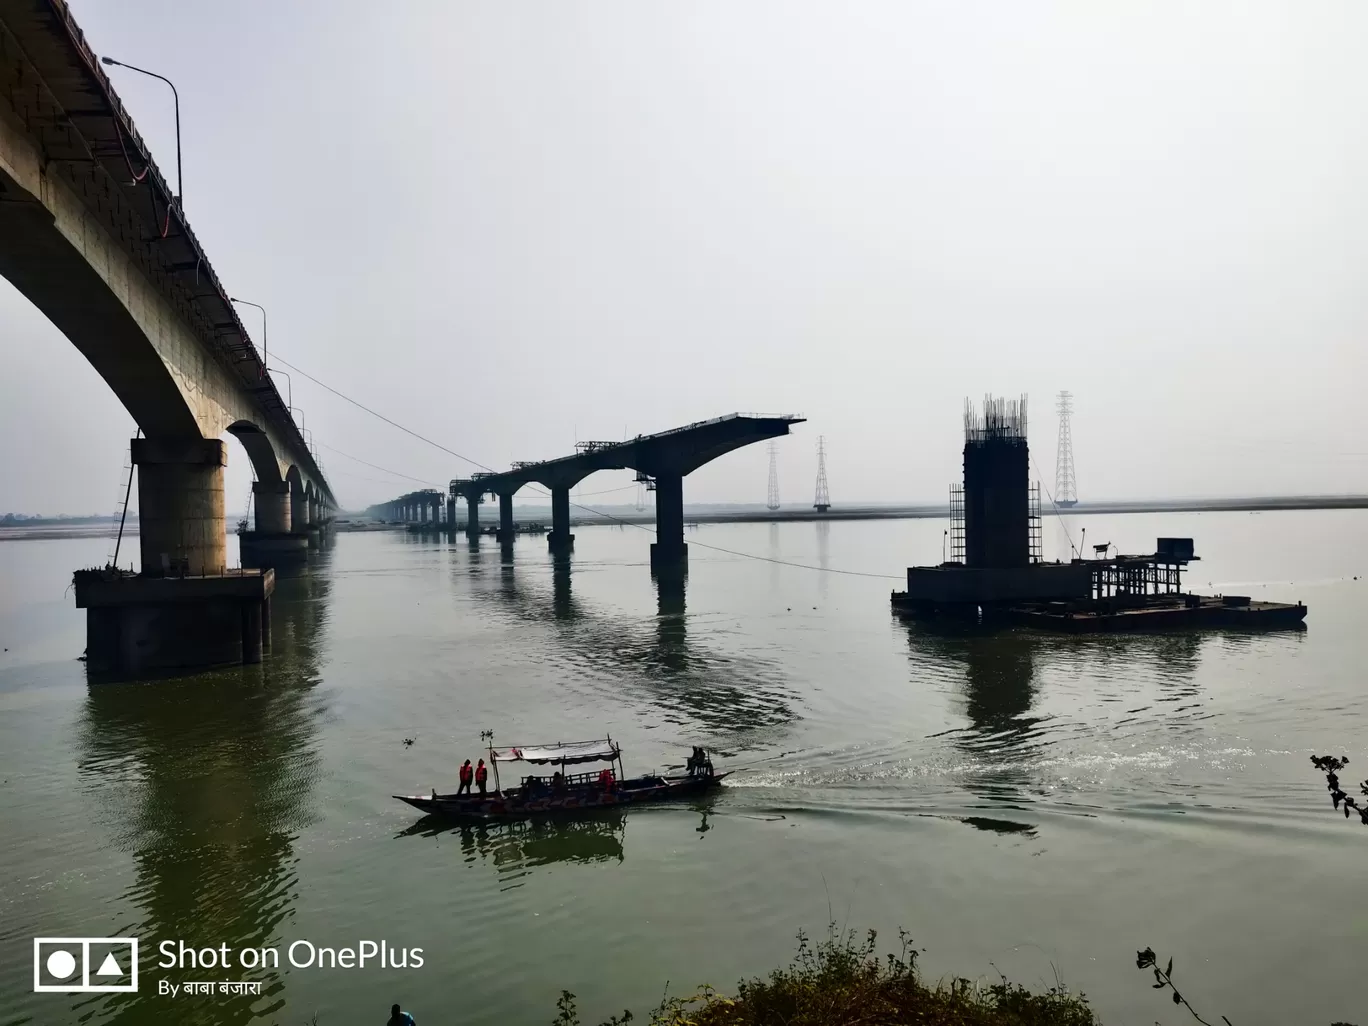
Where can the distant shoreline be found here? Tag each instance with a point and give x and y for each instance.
(1234, 505)
(37, 532)
(712, 515)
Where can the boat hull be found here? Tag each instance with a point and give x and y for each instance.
(513, 805)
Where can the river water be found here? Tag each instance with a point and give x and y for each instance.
(1018, 802)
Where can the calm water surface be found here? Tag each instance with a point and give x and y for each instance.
(1018, 802)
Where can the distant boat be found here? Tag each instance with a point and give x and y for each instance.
(566, 794)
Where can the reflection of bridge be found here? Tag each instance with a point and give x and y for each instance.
(93, 236)
(661, 460)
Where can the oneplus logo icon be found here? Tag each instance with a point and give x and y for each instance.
(85, 965)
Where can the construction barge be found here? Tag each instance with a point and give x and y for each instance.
(1124, 594)
(995, 571)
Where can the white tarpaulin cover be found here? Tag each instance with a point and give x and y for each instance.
(565, 751)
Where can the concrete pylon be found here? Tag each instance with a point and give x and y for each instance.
(506, 531)
(473, 516)
(560, 540)
(668, 551)
(299, 510)
(273, 512)
(180, 505)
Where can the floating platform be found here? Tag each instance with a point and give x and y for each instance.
(1189, 612)
(1154, 613)
(138, 624)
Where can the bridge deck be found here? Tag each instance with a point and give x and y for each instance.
(66, 103)
(678, 450)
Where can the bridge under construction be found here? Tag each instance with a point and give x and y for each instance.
(661, 462)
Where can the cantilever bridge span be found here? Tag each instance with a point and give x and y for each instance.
(662, 460)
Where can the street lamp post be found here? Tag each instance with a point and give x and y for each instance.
(248, 302)
(143, 71)
(288, 381)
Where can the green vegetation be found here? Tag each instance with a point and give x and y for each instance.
(842, 982)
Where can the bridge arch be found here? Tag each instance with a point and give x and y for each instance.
(259, 450)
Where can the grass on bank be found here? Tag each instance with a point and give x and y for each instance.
(842, 982)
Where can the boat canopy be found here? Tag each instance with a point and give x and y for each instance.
(562, 751)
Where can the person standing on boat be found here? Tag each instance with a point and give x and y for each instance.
(398, 1017)
(607, 780)
(481, 776)
(466, 775)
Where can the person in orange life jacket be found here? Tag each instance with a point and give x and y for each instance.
(481, 776)
(466, 775)
(606, 779)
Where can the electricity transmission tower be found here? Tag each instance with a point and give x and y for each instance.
(772, 502)
(1066, 487)
(822, 502)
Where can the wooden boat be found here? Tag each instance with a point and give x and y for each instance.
(567, 793)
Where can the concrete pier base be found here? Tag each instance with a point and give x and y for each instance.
(269, 551)
(560, 542)
(139, 625)
(252, 641)
(666, 557)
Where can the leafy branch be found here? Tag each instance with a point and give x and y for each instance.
(1164, 979)
(1331, 766)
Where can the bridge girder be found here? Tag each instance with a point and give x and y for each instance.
(106, 254)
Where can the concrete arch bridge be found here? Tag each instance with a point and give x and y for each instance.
(94, 237)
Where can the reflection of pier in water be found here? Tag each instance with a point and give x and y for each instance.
(652, 657)
(1001, 682)
(210, 780)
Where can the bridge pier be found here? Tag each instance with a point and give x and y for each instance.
(180, 506)
(560, 540)
(303, 523)
(473, 516)
(506, 530)
(312, 528)
(273, 544)
(185, 610)
(272, 501)
(668, 551)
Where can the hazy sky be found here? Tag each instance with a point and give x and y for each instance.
(511, 225)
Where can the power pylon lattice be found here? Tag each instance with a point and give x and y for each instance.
(1066, 486)
(822, 502)
(772, 501)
